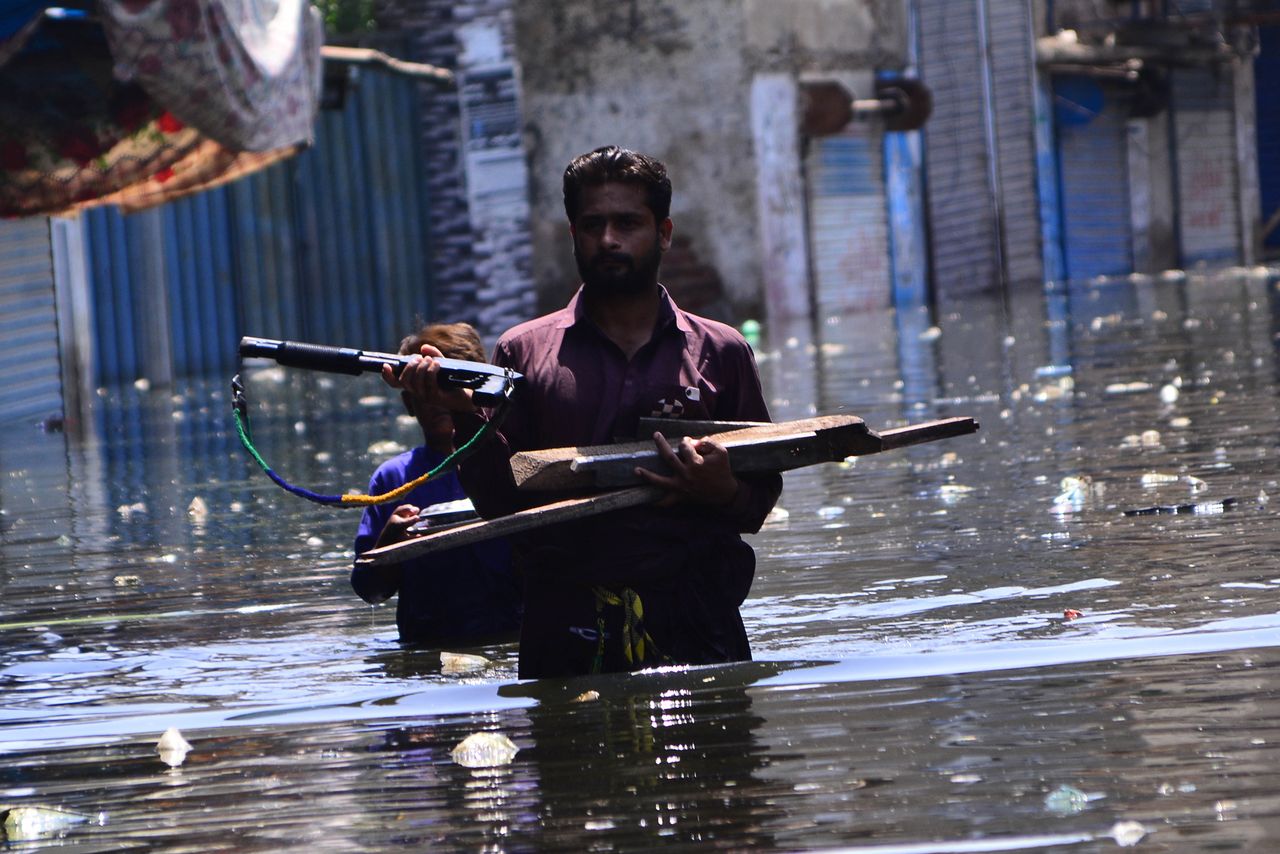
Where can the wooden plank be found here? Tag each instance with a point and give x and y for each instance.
(464, 533)
(926, 431)
(769, 447)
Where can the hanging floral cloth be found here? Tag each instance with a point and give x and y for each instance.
(114, 103)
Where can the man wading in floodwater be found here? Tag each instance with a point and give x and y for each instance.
(645, 586)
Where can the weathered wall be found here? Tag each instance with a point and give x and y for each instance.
(673, 79)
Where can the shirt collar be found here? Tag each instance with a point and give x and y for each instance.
(575, 312)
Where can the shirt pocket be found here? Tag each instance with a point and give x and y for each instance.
(693, 402)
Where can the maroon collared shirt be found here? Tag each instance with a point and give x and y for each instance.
(688, 562)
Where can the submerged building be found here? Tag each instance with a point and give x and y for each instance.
(1048, 141)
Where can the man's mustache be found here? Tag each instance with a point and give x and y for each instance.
(613, 258)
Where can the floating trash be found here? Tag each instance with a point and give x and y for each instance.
(22, 824)
(1180, 423)
(198, 510)
(1151, 479)
(126, 581)
(830, 512)
(1128, 388)
(586, 697)
(454, 663)
(1169, 394)
(933, 333)
(1127, 833)
(484, 750)
(1149, 438)
(1204, 508)
(128, 511)
(1072, 614)
(1068, 800)
(172, 747)
(386, 448)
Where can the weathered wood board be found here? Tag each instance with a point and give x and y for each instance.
(463, 533)
(762, 448)
(768, 447)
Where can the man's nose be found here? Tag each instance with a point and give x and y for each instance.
(612, 237)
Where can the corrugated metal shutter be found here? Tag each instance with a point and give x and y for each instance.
(965, 248)
(1266, 71)
(30, 372)
(328, 247)
(848, 221)
(1207, 181)
(1094, 170)
(1013, 80)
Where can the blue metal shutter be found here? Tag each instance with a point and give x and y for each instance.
(1013, 80)
(965, 248)
(1207, 181)
(1094, 179)
(30, 369)
(848, 221)
(328, 246)
(1266, 70)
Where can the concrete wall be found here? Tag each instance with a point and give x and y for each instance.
(674, 79)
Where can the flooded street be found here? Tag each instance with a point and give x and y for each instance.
(1002, 641)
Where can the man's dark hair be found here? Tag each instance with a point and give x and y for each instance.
(611, 163)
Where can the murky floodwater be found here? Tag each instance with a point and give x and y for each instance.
(917, 685)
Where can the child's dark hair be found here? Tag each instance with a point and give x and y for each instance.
(455, 340)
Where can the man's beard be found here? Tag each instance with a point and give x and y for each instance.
(630, 275)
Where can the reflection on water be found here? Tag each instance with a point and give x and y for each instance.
(919, 681)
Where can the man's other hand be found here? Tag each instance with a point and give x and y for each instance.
(419, 378)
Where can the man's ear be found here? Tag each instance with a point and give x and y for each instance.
(664, 234)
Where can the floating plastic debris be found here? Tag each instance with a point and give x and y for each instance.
(1149, 439)
(128, 511)
(1072, 614)
(1128, 388)
(126, 581)
(1169, 394)
(236, 507)
(1180, 423)
(830, 512)
(1152, 478)
(1205, 508)
(1127, 833)
(953, 490)
(484, 750)
(172, 747)
(386, 448)
(454, 663)
(1068, 800)
(1196, 484)
(1053, 370)
(323, 457)
(586, 697)
(300, 427)
(23, 824)
(315, 542)
(933, 333)
(1263, 498)
(198, 510)
(142, 384)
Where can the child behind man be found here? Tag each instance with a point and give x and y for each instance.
(467, 594)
